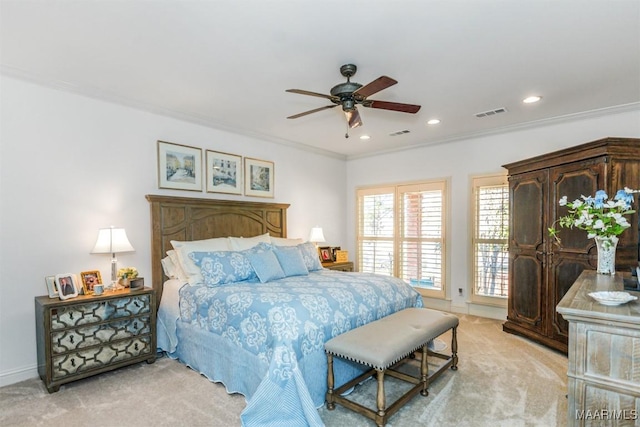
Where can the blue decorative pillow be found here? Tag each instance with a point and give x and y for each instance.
(310, 256)
(266, 266)
(260, 247)
(218, 268)
(291, 261)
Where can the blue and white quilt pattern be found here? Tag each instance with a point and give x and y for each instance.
(284, 320)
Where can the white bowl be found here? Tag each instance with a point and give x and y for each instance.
(612, 298)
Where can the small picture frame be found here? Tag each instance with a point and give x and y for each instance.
(334, 250)
(67, 285)
(326, 254)
(89, 280)
(51, 286)
(179, 166)
(224, 173)
(258, 178)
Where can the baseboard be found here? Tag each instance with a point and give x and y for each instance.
(18, 375)
(437, 304)
(492, 312)
(480, 310)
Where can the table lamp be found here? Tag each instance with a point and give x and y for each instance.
(316, 236)
(112, 241)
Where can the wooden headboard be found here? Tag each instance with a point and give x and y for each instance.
(186, 219)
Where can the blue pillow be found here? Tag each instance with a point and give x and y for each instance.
(220, 267)
(291, 261)
(310, 256)
(266, 266)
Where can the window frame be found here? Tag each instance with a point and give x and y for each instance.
(397, 238)
(477, 181)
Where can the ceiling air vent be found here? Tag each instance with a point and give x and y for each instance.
(491, 112)
(400, 132)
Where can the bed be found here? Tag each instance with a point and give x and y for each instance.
(261, 338)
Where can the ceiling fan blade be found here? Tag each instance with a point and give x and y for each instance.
(375, 86)
(353, 118)
(306, 92)
(315, 110)
(395, 106)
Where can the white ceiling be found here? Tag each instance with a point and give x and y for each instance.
(226, 63)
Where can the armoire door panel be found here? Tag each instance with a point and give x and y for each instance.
(574, 181)
(527, 210)
(527, 298)
(564, 272)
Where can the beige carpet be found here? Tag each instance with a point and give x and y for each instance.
(502, 380)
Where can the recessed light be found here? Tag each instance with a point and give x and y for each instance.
(365, 137)
(433, 122)
(531, 99)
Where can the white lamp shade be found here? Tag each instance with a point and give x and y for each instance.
(316, 235)
(111, 241)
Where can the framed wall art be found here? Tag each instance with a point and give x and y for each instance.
(89, 280)
(258, 177)
(67, 284)
(179, 166)
(224, 173)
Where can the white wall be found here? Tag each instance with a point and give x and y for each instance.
(70, 165)
(463, 159)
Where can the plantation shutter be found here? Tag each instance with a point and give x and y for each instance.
(376, 231)
(421, 240)
(490, 237)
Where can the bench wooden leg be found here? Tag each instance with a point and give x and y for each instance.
(380, 418)
(454, 348)
(330, 401)
(424, 372)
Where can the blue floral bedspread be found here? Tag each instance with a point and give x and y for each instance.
(283, 321)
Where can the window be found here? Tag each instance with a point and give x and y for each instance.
(401, 233)
(490, 239)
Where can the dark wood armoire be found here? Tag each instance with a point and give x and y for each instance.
(541, 271)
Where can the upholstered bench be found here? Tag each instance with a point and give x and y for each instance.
(383, 345)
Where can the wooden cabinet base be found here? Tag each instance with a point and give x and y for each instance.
(516, 329)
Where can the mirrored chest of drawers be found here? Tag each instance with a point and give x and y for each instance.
(89, 335)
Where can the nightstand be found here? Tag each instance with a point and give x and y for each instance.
(89, 335)
(341, 266)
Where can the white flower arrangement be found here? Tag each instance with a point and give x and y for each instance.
(597, 215)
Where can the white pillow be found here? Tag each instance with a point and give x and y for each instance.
(177, 270)
(191, 270)
(168, 267)
(280, 241)
(244, 243)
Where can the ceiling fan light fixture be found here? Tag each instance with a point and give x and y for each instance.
(433, 122)
(365, 137)
(348, 105)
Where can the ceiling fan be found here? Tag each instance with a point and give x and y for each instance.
(350, 94)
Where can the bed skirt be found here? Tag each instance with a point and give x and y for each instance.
(297, 397)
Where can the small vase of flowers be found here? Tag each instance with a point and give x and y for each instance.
(602, 218)
(125, 275)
